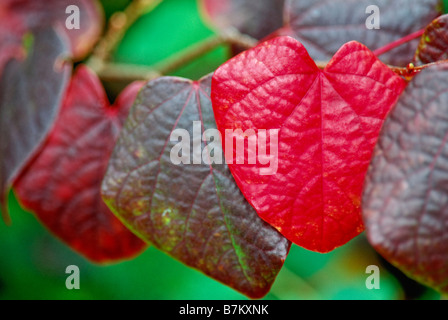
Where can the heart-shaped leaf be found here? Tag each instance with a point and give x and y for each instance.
(320, 126)
(30, 96)
(405, 203)
(255, 18)
(434, 42)
(193, 210)
(18, 17)
(62, 184)
(323, 26)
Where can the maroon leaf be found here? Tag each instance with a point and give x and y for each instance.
(62, 184)
(405, 202)
(434, 42)
(255, 18)
(30, 96)
(324, 125)
(194, 212)
(324, 26)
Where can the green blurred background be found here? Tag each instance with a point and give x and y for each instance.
(33, 261)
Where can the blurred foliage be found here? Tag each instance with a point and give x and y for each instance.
(33, 261)
(174, 25)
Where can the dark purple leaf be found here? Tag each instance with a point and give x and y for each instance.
(20, 16)
(324, 26)
(405, 202)
(194, 212)
(31, 92)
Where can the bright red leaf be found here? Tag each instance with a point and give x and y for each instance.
(62, 184)
(328, 123)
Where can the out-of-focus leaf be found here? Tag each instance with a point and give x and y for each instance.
(324, 124)
(62, 184)
(255, 18)
(18, 17)
(434, 42)
(324, 26)
(194, 212)
(31, 92)
(11, 33)
(405, 202)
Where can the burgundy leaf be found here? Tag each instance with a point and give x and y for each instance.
(324, 26)
(323, 125)
(31, 92)
(194, 212)
(405, 203)
(62, 184)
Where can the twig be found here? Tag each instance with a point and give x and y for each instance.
(229, 36)
(183, 57)
(119, 23)
(112, 72)
(129, 72)
(234, 37)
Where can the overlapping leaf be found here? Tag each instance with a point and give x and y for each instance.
(327, 124)
(18, 17)
(406, 198)
(31, 92)
(434, 42)
(324, 26)
(194, 212)
(62, 184)
(255, 18)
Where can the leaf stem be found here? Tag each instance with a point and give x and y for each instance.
(410, 71)
(399, 42)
